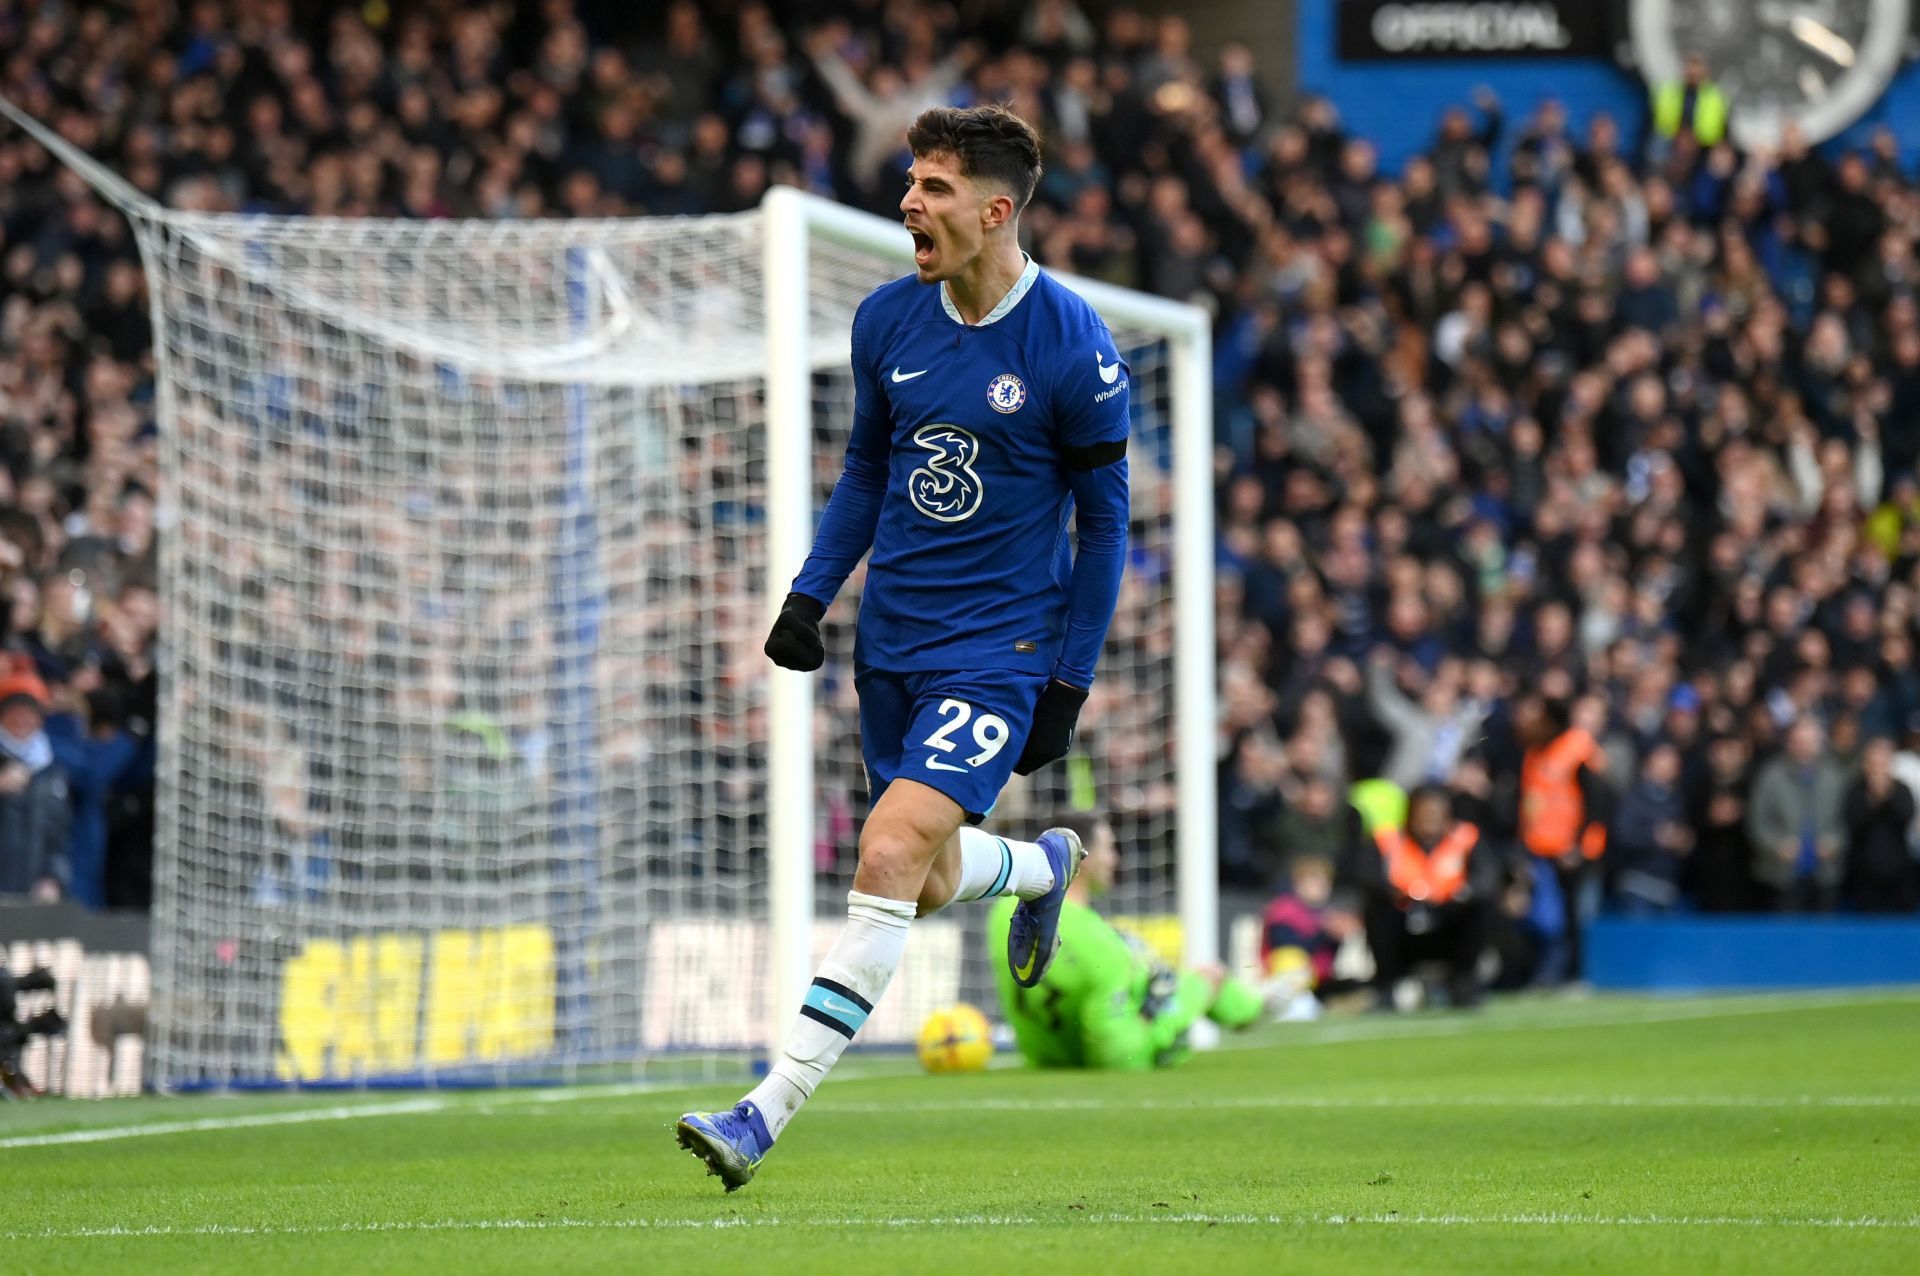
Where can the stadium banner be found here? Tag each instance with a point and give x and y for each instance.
(400, 1001)
(103, 996)
(1397, 30)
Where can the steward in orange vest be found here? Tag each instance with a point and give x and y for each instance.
(1556, 780)
(1564, 808)
(1432, 877)
(1429, 897)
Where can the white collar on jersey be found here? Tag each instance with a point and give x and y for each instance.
(1007, 303)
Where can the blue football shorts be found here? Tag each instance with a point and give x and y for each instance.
(959, 733)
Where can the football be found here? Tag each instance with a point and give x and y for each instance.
(955, 1040)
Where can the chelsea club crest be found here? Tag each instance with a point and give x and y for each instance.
(1005, 393)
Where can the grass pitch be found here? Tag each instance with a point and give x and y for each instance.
(1768, 1134)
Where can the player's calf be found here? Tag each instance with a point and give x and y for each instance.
(851, 979)
(988, 866)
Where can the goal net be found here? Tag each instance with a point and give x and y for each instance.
(470, 759)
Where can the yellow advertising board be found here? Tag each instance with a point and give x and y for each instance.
(401, 1001)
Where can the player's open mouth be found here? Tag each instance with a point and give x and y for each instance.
(922, 246)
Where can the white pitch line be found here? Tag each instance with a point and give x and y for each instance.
(1440, 1101)
(424, 1106)
(1062, 1219)
(1614, 1220)
(107, 1134)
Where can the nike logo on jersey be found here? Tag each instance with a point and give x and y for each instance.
(943, 766)
(899, 376)
(1108, 371)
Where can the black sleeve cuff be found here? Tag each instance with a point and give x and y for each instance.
(805, 606)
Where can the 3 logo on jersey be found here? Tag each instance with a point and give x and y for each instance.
(946, 489)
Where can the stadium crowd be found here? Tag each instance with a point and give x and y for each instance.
(1544, 412)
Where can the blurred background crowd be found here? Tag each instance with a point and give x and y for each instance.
(1624, 426)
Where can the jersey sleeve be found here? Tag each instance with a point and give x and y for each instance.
(853, 512)
(1090, 388)
(1091, 417)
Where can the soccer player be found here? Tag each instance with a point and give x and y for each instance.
(1107, 1002)
(989, 404)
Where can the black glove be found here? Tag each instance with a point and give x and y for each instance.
(1163, 985)
(795, 640)
(1052, 733)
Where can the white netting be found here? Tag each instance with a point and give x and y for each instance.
(466, 580)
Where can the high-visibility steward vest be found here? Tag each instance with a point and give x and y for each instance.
(1382, 803)
(1710, 111)
(1428, 877)
(1553, 812)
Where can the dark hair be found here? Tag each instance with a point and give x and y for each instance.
(1558, 712)
(991, 143)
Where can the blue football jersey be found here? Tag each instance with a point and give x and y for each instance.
(971, 446)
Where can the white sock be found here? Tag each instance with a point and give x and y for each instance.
(851, 978)
(992, 865)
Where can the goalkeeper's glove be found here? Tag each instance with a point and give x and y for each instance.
(1052, 733)
(1163, 985)
(795, 640)
(1163, 990)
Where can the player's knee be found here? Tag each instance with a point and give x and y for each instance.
(893, 851)
(886, 850)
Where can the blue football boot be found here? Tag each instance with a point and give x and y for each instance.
(732, 1143)
(1035, 931)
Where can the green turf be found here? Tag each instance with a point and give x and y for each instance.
(1761, 1135)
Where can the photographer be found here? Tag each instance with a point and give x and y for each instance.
(13, 1032)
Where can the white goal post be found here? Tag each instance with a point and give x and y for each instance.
(794, 219)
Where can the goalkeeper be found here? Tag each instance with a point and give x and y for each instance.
(1107, 1002)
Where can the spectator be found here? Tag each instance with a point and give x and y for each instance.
(1301, 930)
(98, 755)
(35, 819)
(1242, 98)
(1649, 842)
(1881, 868)
(1430, 736)
(1796, 821)
(1315, 824)
(882, 104)
(1721, 866)
(1694, 106)
(1906, 769)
